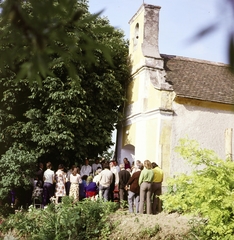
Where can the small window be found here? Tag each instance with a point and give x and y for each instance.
(136, 36)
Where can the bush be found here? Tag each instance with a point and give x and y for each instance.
(207, 192)
(83, 220)
(5, 211)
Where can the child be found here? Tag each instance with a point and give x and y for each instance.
(37, 193)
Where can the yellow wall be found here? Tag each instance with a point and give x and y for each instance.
(129, 135)
(159, 98)
(136, 50)
(133, 90)
(165, 144)
(204, 104)
(151, 133)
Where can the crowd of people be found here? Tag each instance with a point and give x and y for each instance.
(136, 185)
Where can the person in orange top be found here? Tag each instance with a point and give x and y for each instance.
(156, 188)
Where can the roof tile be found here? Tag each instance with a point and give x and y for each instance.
(198, 79)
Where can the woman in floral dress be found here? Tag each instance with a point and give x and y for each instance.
(60, 179)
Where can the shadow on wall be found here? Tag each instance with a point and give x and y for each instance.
(127, 151)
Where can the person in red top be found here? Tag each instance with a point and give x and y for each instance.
(134, 190)
(126, 163)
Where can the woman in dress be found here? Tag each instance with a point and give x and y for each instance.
(60, 179)
(75, 180)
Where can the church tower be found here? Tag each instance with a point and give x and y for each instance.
(144, 27)
(145, 131)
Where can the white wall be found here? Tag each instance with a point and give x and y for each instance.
(207, 126)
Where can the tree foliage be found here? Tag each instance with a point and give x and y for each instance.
(207, 192)
(72, 112)
(31, 31)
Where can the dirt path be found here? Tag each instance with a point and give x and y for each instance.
(143, 226)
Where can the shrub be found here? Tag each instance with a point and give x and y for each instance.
(207, 192)
(5, 211)
(83, 220)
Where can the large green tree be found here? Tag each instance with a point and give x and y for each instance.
(71, 112)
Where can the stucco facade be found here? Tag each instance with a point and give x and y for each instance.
(204, 121)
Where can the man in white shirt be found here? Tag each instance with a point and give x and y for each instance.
(105, 181)
(114, 188)
(86, 169)
(48, 189)
(114, 169)
(116, 165)
(95, 165)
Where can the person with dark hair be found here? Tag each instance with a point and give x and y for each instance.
(124, 176)
(145, 180)
(48, 188)
(37, 194)
(86, 169)
(96, 165)
(116, 165)
(60, 179)
(114, 188)
(68, 183)
(40, 172)
(156, 188)
(135, 166)
(82, 187)
(126, 163)
(134, 189)
(105, 181)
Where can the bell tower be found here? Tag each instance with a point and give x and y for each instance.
(144, 28)
(143, 47)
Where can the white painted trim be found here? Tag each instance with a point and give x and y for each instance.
(164, 114)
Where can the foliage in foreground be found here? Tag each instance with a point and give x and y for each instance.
(207, 192)
(84, 220)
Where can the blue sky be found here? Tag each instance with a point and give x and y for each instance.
(179, 21)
